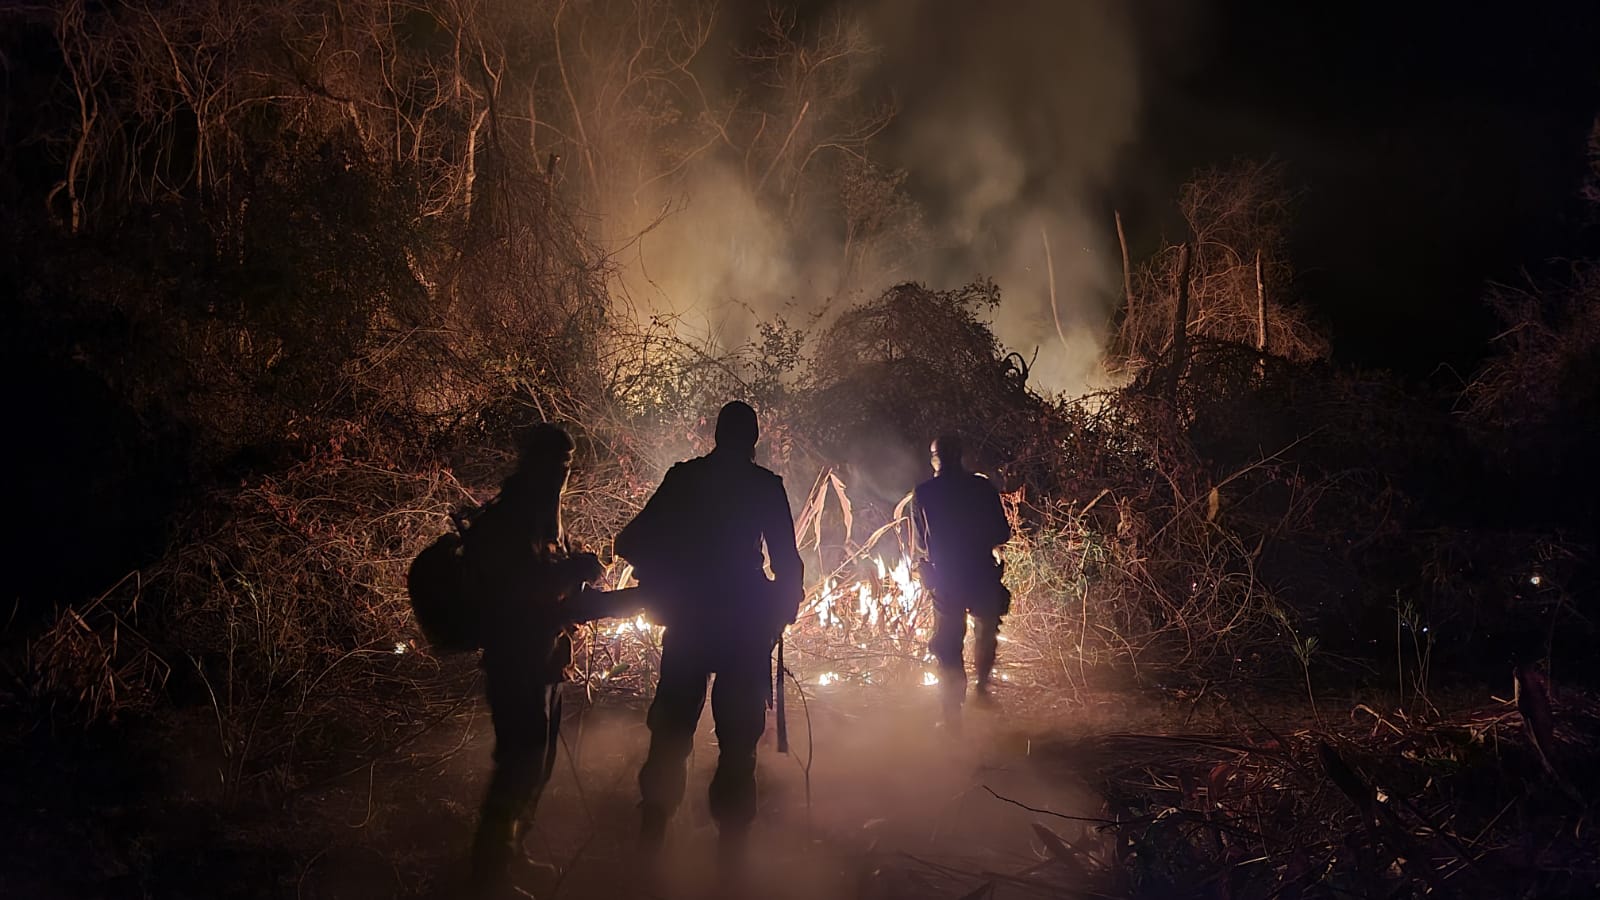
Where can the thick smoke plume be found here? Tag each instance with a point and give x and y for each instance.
(818, 157)
(1014, 114)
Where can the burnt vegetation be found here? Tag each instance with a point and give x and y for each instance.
(282, 279)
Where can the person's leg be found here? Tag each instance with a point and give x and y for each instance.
(949, 634)
(986, 637)
(518, 708)
(680, 695)
(739, 705)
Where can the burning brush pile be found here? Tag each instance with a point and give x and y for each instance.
(868, 631)
(866, 622)
(1223, 516)
(1253, 516)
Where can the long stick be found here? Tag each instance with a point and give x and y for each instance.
(1127, 270)
(777, 700)
(591, 604)
(1261, 307)
(1050, 268)
(1180, 320)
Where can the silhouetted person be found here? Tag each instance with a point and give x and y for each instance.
(958, 523)
(520, 570)
(697, 546)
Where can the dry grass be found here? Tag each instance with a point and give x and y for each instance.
(1374, 806)
(93, 660)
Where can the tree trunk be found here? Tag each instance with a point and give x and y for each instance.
(1127, 270)
(1050, 271)
(1180, 320)
(472, 159)
(533, 128)
(1261, 307)
(1261, 319)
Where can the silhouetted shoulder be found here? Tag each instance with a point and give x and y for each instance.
(684, 476)
(683, 468)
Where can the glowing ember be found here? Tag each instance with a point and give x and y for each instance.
(885, 607)
(884, 616)
(1535, 580)
(623, 627)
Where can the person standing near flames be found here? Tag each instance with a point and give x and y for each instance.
(958, 523)
(522, 571)
(697, 547)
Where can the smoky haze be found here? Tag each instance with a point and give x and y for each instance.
(1007, 119)
(1013, 116)
(885, 787)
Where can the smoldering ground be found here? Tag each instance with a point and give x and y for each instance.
(887, 790)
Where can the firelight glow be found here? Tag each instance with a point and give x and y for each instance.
(884, 614)
(891, 604)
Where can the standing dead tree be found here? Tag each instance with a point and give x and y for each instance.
(343, 170)
(1238, 224)
(86, 63)
(624, 98)
(647, 116)
(813, 78)
(171, 98)
(1180, 320)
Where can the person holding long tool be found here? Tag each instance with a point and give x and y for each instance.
(697, 549)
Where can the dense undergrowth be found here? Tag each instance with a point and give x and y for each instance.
(301, 357)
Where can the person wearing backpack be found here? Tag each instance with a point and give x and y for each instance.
(519, 571)
(697, 549)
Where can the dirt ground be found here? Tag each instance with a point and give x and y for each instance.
(875, 801)
(888, 794)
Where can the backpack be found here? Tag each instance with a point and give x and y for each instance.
(446, 611)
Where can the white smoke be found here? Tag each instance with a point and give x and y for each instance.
(1015, 120)
(1011, 118)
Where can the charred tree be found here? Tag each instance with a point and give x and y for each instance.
(1180, 323)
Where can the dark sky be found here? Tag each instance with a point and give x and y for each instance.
(1438, 146)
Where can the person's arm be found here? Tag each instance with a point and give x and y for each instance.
(999, 525)
(919, 525)
(777, 529)
(578, 567)
(640, 540)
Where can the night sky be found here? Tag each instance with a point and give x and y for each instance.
(1437, 146)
